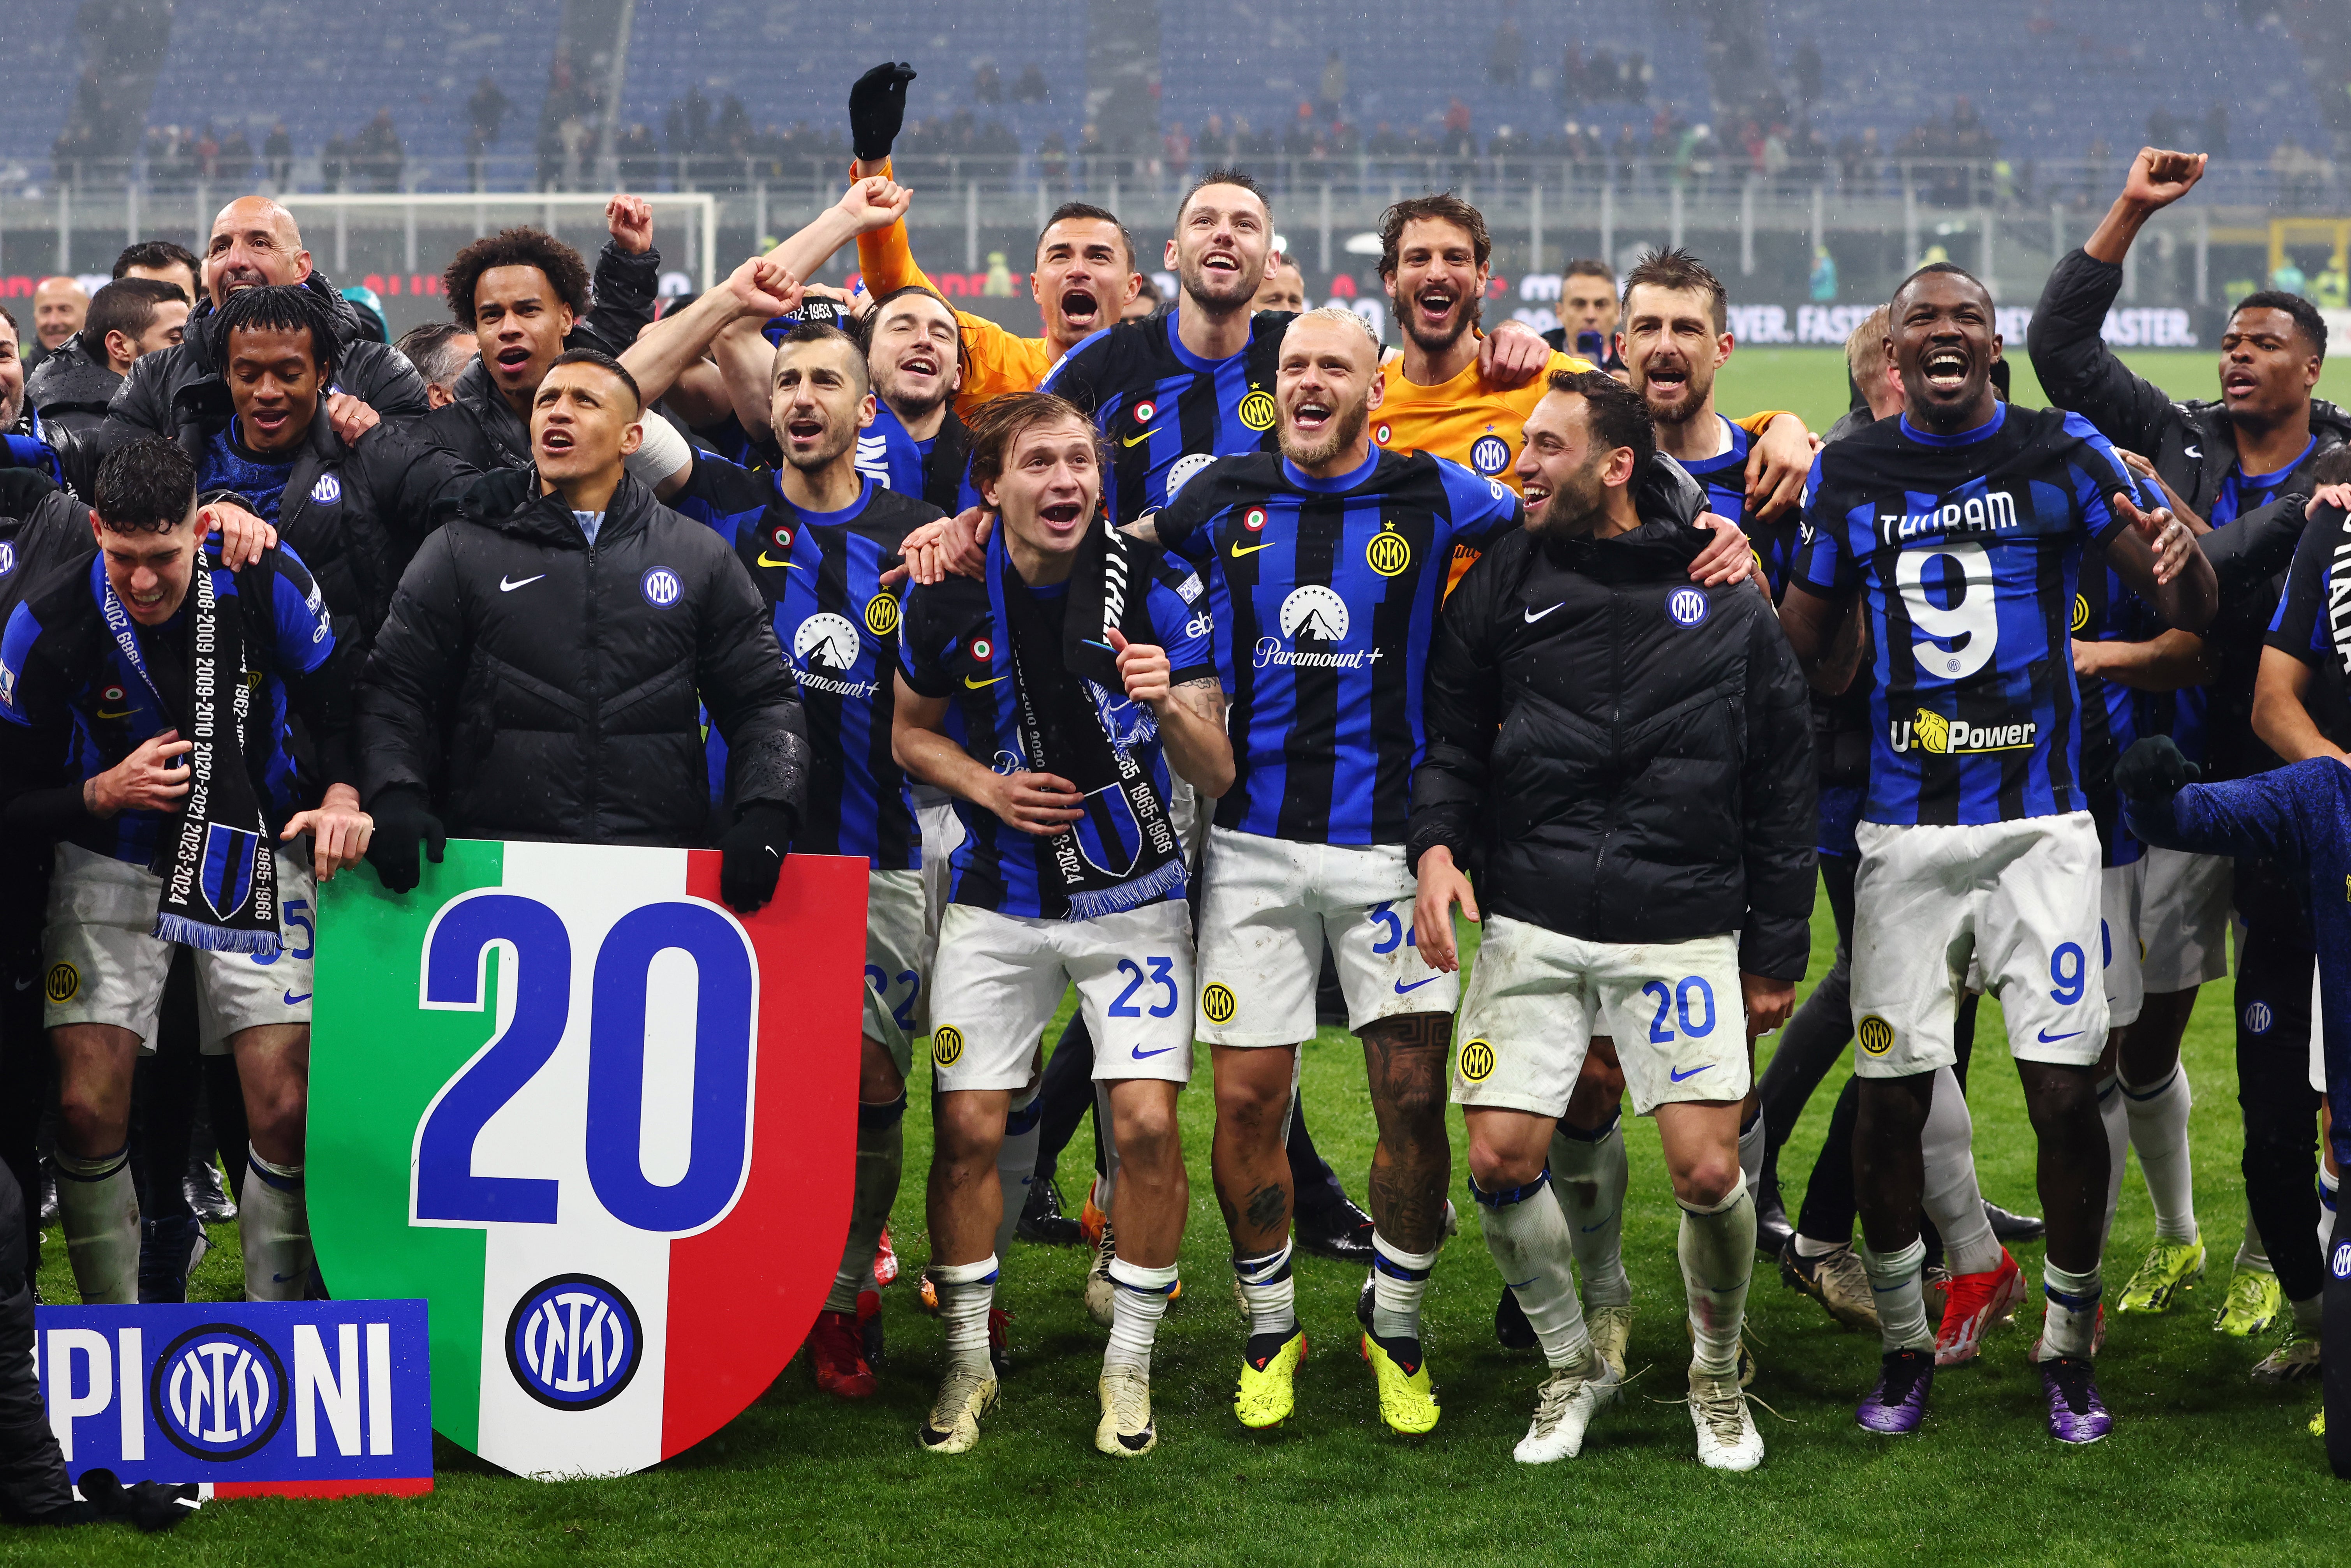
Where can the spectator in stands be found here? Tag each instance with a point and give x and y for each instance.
(986, 85)
(1502, 57)
(234, 163)
(1334, 86)
(1176, 154)
(1031, 87)
(277, 156)
(163, 261)
(377, 155)
(255, 241)
(127, 321)
(486, 112)
(58, 307)
(1805, 66)
(440, 351)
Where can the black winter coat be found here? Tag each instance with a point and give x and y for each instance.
(378, 375)
(73, 387)
(536, 687)
(1636, 746)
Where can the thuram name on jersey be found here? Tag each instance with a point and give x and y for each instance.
(1992, 512)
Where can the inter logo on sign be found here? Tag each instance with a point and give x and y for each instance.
(574, 1341)
(219, 1392)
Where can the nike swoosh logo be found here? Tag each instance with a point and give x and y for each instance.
(1523, 1284)
(1533, 616)
(505, 587)
(2048, 1038)
(1142, 1055)
(293, 1001)
(991, 680)
(1134, 440)
(123, 713)
(1241, 549)
(767, 559)
(23, 984)
(1402, 990)
(1693, 1073)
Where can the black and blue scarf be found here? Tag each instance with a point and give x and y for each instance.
(218, 866)
(1122, 852)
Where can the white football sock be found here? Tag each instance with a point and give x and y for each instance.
(1271, 1288)
(1814, 1247)
(2158, 1130)
(2251, 1254)
(1531, 1244)
(2326, 1195)
(273, 1226)
(1750, 1149)
(1588, 1175)
(1399, 1281)
(98, 1205)
(966, 1292)
(1015, 1159)
(1717, 1249)
(2069, 1323)
(2114, 1116)
(1895, 1282)
(880, 1160)
(1952, 1198)
(1138, 1301)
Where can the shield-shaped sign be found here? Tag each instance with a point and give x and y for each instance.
(602, 1124)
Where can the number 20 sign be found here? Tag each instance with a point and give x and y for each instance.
(604, 1126)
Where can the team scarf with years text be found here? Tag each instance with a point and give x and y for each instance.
(219, 869)
(1077, 721)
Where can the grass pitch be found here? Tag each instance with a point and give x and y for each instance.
(2204, 1466)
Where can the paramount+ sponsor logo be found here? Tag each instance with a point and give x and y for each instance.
(1930, 732)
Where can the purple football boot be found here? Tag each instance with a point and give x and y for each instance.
(1898, 1403)
(2077, 1415)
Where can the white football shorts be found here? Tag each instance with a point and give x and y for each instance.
(2021, 899)
(102, 963)
(1267, 907)
(1536, 999)
(1000, 977)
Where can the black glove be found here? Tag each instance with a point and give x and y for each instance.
(754, 848)
(150, 1505)
(877, 107)
(402, 822)
(2153, 769)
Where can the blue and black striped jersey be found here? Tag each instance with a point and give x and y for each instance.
(2106, 611)
(957, 646)
(888, 453)
(1968, 550)
(1164, 411)
(61, 669)
(1325, 592)
(838, 626)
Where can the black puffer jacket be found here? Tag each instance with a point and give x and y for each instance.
(1637, 745)
(73, 387)
(478, 427)
(376, 374)
(536, 687)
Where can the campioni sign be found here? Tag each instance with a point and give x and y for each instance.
(602, 1124)
(297, 1398)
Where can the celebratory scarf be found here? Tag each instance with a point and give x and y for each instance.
(220, 875)
(1077, 721)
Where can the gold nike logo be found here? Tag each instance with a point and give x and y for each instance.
(124, 713)
(1134, 440)
(975, 686)
(1241, 549)
(767, 559)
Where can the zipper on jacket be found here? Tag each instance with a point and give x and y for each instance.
(595, 706)
(1616, 617)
